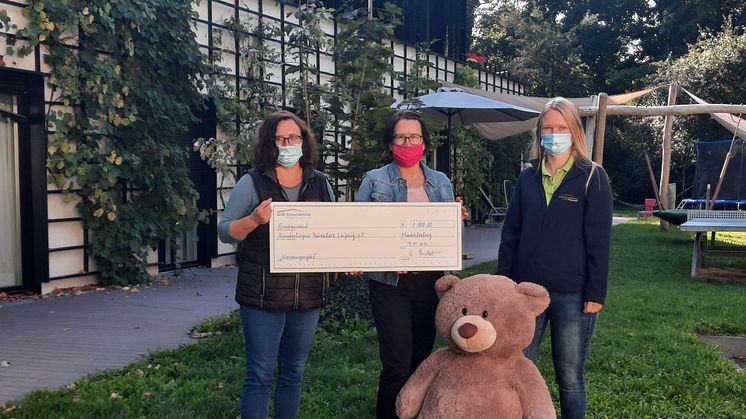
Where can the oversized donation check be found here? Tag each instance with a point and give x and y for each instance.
(365, 236)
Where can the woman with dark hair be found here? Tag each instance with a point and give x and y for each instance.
(279, 312)
(403, 303)
(557, 233)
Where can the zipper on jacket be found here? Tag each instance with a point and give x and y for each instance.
(282, 190)
(297, 292)
(303, 187)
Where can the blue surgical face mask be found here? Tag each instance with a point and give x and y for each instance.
(556, 144)
(290, 155)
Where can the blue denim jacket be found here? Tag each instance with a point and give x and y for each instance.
(386, 184)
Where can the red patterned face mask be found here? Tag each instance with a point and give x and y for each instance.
(408, 156)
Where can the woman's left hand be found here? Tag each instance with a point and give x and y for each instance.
(590, 307)
(464, 209)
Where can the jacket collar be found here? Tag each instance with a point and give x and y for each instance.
(272, 174)
(574, 171)
(395, 173)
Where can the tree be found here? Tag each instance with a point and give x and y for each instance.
(358, 104)
(679, 24)
(712, 70)
(534, 50)
(305, 41)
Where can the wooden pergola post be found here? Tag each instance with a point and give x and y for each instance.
(666, 155)
(590, 126)
(598, 146)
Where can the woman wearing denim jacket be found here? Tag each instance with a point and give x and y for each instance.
(403, 303)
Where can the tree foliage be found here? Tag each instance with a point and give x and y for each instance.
(712, 70)
(676, 24)
(535, 50)
(614, 43)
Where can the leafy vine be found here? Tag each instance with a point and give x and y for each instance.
(242, 103)
(125, 78)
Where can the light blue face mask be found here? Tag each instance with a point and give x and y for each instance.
(290, 155)
(556, 144)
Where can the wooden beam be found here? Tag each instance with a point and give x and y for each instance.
(598, 148)
(666, 154)
(624, 110)
(590, 127)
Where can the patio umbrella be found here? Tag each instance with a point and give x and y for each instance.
(457, 107)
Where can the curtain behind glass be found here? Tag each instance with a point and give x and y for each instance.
(10, 256)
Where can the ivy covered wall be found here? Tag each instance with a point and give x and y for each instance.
(123, 80)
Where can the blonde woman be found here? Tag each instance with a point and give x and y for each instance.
(557, 233)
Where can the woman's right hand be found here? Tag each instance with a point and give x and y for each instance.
(262, 213)
(355, 273)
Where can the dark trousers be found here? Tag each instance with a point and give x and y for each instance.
(404, 317)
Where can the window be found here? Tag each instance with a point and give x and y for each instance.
(10, 247)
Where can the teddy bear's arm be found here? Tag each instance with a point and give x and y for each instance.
(532, 391)
(412, 395)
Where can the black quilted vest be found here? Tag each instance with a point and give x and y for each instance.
(256, 286)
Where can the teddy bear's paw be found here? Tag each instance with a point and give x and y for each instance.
(405, 412)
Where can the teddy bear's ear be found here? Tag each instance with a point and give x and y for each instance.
(538, 296)
(445, 283)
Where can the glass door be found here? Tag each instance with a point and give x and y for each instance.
(179, 253)
(10, 217)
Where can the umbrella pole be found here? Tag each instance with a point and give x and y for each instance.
(449, 166)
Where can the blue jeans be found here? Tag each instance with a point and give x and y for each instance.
(282, 338)
(572, 331)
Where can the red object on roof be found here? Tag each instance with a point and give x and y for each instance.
(474, 58)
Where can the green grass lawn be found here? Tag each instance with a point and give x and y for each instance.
(646, 360)
(625, 212)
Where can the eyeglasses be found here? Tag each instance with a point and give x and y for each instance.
(414, 139)
(289, 140)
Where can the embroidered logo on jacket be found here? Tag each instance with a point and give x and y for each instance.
(568, 197)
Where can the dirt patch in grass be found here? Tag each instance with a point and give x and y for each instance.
(732, 347)
(723, 275)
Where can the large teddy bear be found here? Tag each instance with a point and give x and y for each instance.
(487, 321)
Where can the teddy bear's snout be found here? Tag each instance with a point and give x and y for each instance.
(473, 333)
(467, 330)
